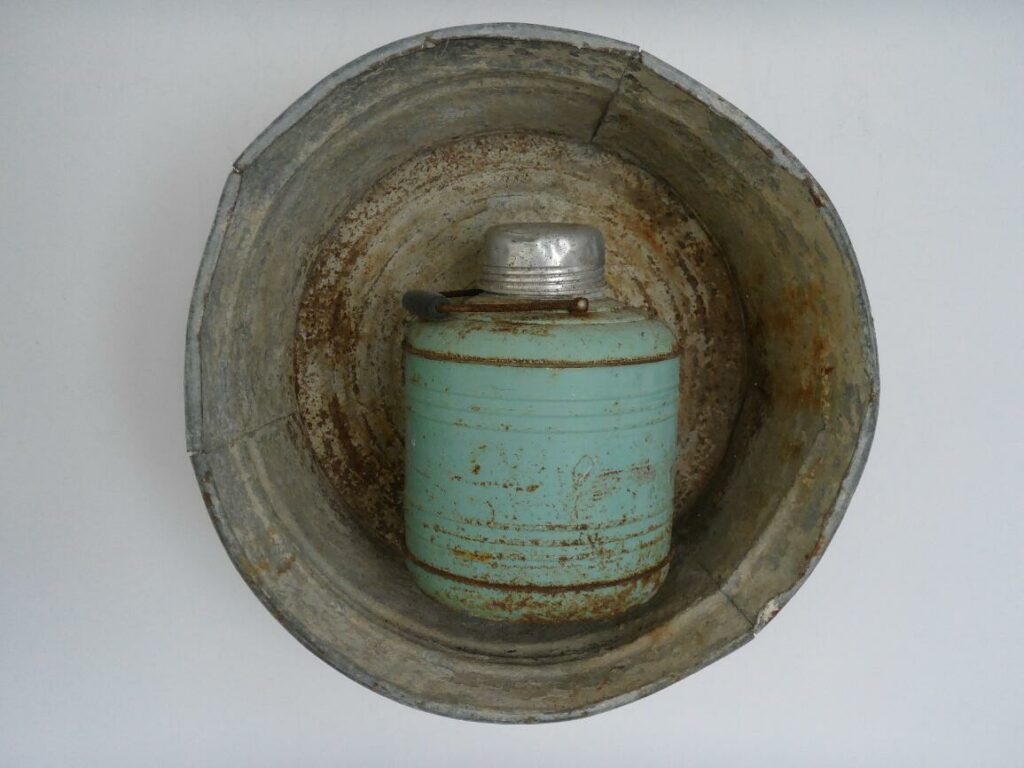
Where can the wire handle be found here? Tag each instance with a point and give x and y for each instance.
(428, 305)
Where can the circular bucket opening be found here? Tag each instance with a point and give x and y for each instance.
(384, 177)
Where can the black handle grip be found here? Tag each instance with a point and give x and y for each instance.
(425, 305)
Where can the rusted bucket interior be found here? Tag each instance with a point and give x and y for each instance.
(384, 178)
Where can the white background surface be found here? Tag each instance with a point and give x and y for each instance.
(126, 636)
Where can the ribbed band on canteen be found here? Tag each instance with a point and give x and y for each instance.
(533, 259)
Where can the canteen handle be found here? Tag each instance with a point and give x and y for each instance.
(428, 305)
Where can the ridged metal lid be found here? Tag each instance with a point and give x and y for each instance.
(543, 260)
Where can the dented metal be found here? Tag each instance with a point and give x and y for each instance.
(384, 177)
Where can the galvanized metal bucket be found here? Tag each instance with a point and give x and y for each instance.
(384, 177)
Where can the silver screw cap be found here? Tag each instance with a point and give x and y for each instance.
(543, 260)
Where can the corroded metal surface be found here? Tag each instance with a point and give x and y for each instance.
(350, 324)
(382, 178)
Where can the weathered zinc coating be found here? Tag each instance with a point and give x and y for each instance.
(539, 460)
(384, 177)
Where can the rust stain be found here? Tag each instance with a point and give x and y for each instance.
(510, 328)
(253, 570)
(814, 191)
(819, 346)
(467, 554)
(205, 483)
(285, 565)
(596, 604)
(641, 577)
(642, 472)
(659, 634)
(249, 571)
(347, 345)
(512, 362)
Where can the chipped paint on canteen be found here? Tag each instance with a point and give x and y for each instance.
(539, 461)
